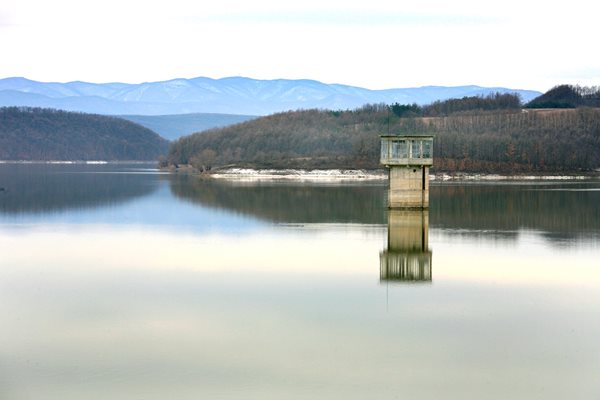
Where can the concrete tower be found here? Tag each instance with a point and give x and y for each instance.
(408, 157)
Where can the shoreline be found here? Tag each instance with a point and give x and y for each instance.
(353, 175)
(330, 175)
(315, 175)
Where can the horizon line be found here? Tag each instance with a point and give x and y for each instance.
(260, 80)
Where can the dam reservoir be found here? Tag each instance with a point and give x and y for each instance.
(122, 282)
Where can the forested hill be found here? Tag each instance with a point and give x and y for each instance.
(38, 134)
(568, 96)
(499, 139)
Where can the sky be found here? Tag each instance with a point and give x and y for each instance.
(373, 44)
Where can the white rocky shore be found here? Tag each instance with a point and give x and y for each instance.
(341, 175)
(317, 175)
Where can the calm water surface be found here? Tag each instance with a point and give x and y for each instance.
(118, 282)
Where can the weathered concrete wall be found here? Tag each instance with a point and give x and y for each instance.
(409, 187)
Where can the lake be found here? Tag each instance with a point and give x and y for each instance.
(121, 282)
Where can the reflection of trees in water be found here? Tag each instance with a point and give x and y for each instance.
(498, 209)
(36, 188)
(289, 202)
(559, 210)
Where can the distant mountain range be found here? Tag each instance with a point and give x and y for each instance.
(174, 126)
(235, 95)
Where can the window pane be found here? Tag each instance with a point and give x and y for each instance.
(415, 149)
(399, 149)
(403, 149)
(384, 149)
(427, 149)
(394, 149)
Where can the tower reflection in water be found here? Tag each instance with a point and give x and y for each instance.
(407, 257)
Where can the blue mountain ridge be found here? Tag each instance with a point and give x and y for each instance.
(232, 95)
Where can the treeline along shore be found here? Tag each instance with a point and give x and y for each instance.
(493, 134)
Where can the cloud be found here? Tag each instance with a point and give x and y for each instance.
(5, 19)
(375, 44)
(343, 18)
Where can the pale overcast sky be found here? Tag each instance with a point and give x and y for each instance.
(374, 44)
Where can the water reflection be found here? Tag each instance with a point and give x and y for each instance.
(407, 257)
(288, 202)
(561, 212)
(184, 294)
(43, 188)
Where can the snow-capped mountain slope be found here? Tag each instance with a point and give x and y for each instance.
(233, 95)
